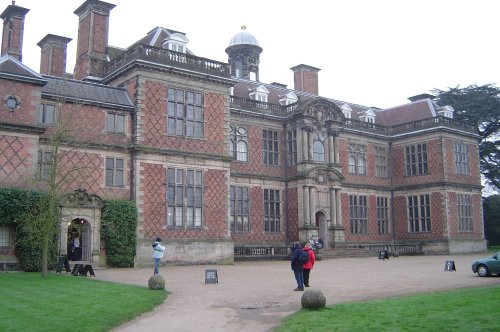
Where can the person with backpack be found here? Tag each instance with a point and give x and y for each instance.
(297, 264)
(309, 264)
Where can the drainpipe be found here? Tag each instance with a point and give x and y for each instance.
(133, 151)
(389, 166)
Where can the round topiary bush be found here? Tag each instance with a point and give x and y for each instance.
(313, 299)
(156, 282)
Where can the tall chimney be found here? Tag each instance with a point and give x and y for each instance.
(53, 57)
(13, 30)
(93, 30)
(305, 78)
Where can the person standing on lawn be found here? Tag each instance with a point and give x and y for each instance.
(310, 264)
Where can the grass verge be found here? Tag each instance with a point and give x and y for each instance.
(471, 309)
(493, 248)
(68, 303)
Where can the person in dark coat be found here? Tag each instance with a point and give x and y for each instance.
(297, 267)
(309, 265)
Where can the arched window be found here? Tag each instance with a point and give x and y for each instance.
(318, 152)
(238, 67)
(361, 165)
(242, 151)
(352, 164)
(238, 143)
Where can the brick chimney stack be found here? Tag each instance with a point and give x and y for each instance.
(53, 57)
(93, 30)
(13, 30)
(305, 78)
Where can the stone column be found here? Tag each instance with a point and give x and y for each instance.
(336, 149)
(300, 140)
(333, 210)
(331, 149)
(312, 207)
(339, 208)
(309, 145)
(306, 205)
(305, 144)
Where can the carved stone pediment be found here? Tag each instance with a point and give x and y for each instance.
(80, 198)
(323, 114)
(322, 176)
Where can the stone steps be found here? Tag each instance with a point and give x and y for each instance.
(346, 252)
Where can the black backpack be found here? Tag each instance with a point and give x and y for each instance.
(303, 256)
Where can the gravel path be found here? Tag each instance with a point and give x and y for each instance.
(255, 296)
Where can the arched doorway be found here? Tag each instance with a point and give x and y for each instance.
(79, 245)
(81, 219)
(322, 226)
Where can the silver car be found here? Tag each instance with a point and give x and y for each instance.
(487, 266)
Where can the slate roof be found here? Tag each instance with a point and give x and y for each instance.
(413, 111)
(88, 93)
(11, 68)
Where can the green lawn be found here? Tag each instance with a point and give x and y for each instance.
(493, 248)
(67, 303)
(472, 309)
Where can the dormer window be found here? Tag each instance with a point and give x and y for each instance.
(176, 42)
(347, 111)
(368, 116)
(260, 93)
(446, 111)
(289, 98)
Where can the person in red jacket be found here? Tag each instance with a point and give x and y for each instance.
(309, 265)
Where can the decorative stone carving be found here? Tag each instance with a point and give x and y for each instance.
(81, 198)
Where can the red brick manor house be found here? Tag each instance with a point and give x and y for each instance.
(218, 162)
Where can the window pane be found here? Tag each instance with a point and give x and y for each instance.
(179, 197)
(110, 123)
(120, 123)
(49, 114)
(119, 163)
(190, 112)
(180, 95)
(198, 130)
(171, 109)
(109, 178)
(179, 127)
(171, 126)
(190, 129)
(171, 195)
(119, 178)
(110, 163)
(190, 196)
(190, 97)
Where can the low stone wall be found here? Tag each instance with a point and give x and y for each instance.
(467, 246)
(186, 252)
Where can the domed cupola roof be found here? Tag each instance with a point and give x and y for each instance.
(243, 38)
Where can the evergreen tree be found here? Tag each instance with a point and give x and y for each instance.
(491, 213)
(479, 105)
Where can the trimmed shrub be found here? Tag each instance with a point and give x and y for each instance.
(118, 230)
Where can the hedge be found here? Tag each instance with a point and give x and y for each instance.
(21, 207)
(118, 229)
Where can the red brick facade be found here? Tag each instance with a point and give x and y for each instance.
(314, 186)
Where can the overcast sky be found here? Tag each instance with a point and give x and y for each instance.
(370, 52)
